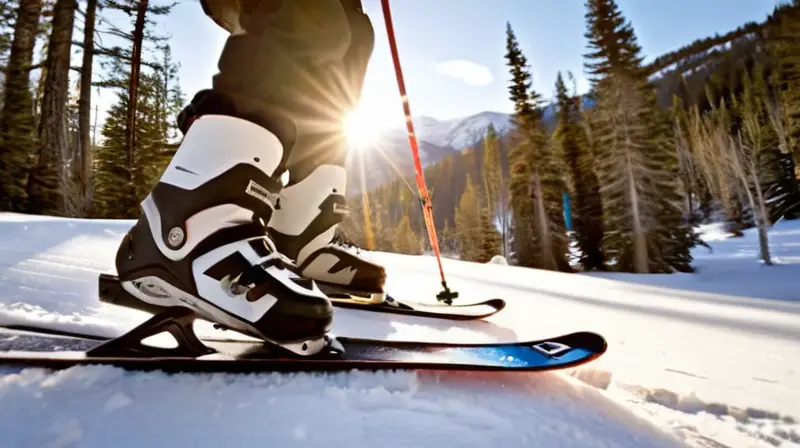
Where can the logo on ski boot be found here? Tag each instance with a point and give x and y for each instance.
(151, 289)
(551, 348)
(262, 194)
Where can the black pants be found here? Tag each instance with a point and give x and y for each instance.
(294, 67)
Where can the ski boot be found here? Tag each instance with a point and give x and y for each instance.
(303, 229)
(201, 242)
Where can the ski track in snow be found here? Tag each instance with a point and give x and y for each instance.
(708, 359)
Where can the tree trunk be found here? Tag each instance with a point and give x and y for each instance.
(763, 220)
(744, 168)
(640, 255)
(545, 243)
(503, 213)
(45, 186)
(17, 131)
(759, 206)
(85, 111)
(133, 85)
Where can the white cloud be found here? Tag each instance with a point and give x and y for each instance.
(468, 72)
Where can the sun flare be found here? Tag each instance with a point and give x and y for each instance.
(361, 129)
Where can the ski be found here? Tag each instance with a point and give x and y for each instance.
(112, 292)
(343, 353)
(384, 303)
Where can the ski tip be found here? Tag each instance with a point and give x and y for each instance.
(586, 340)
(497, 303)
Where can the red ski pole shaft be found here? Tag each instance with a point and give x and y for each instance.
(427, 207)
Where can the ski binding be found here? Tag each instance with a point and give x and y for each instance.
(111, 291)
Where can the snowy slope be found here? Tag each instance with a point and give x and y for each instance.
(709, 359)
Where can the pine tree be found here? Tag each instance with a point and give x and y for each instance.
(49, 178)
(587, 209)
(17, 124)
(470, 163)
(489, 244)
(83, 175)
(494, 183)
(124, 65)
(636, 162)
(406, 241)
(446, 198)
(536, 186)
(784, 46)
(468, 225)
(518, 158)
(361, 223)
(448, 240)
(781, 101)
(7, 13)
(121, 187)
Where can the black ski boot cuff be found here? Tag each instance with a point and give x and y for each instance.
(214, 102)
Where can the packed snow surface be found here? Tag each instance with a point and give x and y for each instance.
(707, 359)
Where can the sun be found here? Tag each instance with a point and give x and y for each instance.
(361, 129)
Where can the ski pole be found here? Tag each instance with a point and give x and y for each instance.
(445, 295)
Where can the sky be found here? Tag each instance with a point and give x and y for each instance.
(452, 51)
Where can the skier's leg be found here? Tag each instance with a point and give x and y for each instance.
(201, 241)
(313, 204)
(296, 68)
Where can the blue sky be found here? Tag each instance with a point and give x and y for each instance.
(452, 50)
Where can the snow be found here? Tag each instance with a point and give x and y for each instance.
(705, 359)
(102, 406)
(499, 259)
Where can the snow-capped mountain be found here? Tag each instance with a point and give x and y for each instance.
(437, 139)
(458, 133)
